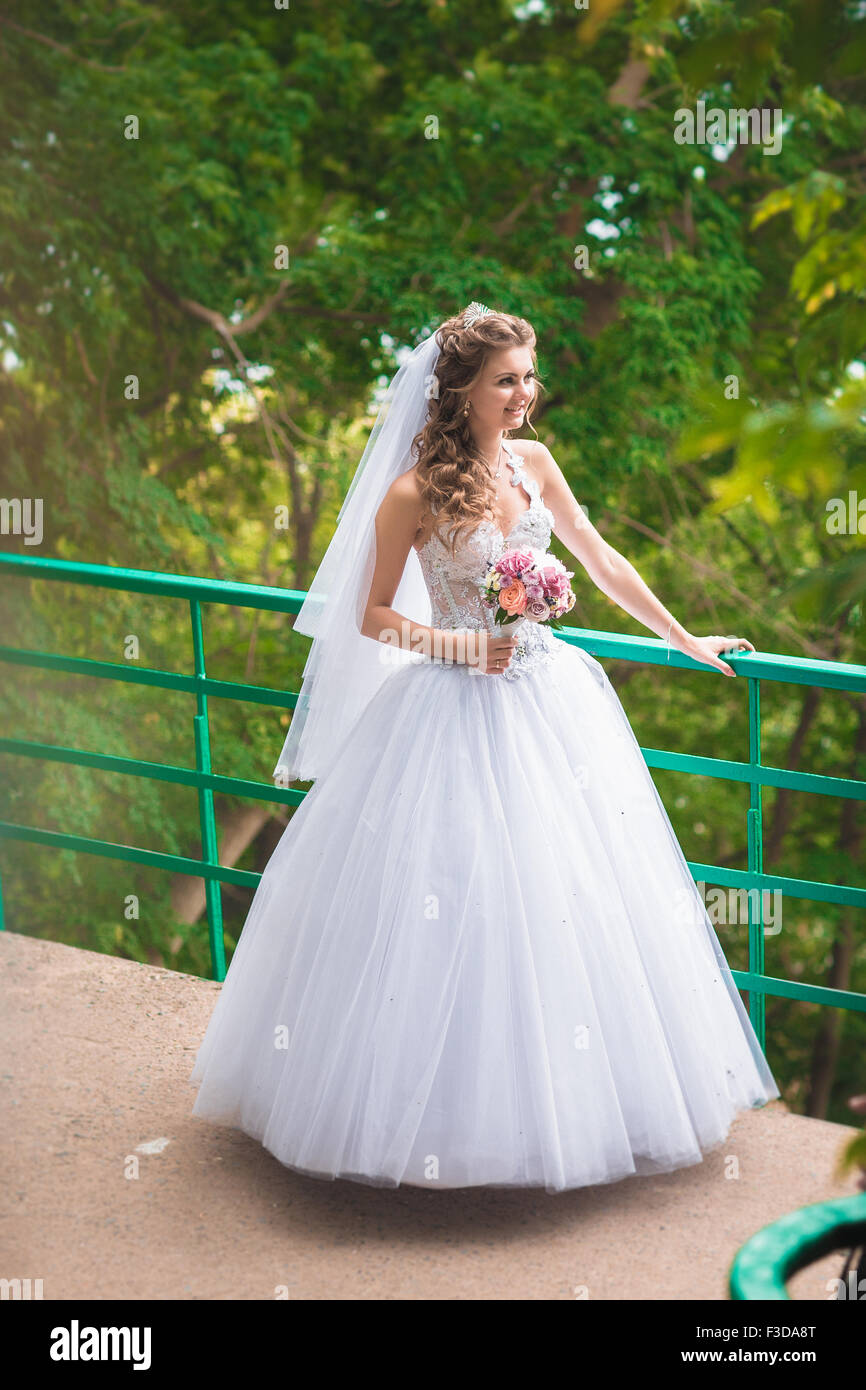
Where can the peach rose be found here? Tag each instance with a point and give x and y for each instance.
(513, 598)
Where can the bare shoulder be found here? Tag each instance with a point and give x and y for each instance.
(405, 485)
(405, 491)
(537, 458)
(404, 506)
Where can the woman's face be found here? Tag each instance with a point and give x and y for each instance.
(503, 391)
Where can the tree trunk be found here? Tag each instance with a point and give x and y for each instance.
(188, 899)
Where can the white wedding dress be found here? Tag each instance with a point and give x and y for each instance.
(477, 955)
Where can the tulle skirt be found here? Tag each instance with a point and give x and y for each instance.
(477, 955)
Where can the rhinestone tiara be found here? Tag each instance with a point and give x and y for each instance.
(475, 311)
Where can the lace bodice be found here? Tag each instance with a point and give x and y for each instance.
(453, 582)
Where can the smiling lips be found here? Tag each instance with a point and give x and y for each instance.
(512, 410)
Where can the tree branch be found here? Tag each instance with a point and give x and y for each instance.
(58, 47)
(705, 571)
(627, 88)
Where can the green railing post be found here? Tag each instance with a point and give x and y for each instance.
(755, 840)
(207, 820)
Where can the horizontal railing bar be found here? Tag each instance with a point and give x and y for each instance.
(137, 675)
(655, 758)
(702, 872)
(166, 772)
(794, 887)
(107, 849)
(723, 768)
(223, 591)
(796, 989)
(194, 868)
(773, 666)
(763, 665)
(158, 772)
(816, 783)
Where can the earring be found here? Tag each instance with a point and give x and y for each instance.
(466, 408)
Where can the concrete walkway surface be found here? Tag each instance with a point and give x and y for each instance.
(96, 1055)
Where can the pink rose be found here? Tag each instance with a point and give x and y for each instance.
(536, 610)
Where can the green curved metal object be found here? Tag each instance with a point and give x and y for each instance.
(773, 1255)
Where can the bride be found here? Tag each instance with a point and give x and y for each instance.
(477, 955)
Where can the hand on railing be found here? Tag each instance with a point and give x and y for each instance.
(706, 649)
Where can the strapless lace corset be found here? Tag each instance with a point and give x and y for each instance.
(453, 581)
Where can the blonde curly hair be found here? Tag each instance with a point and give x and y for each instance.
(454, 478)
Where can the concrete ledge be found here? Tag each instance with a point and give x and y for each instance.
(96, 1057)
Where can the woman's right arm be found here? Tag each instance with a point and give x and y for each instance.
(397, 523)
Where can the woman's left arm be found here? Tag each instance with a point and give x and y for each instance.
(612, 572)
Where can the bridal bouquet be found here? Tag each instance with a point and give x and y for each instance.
(528, 583)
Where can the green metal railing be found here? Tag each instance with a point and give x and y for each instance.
(773, 1255)
(756, 666)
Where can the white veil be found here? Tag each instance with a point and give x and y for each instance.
(344, 669)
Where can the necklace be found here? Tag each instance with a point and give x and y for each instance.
(498, 472)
